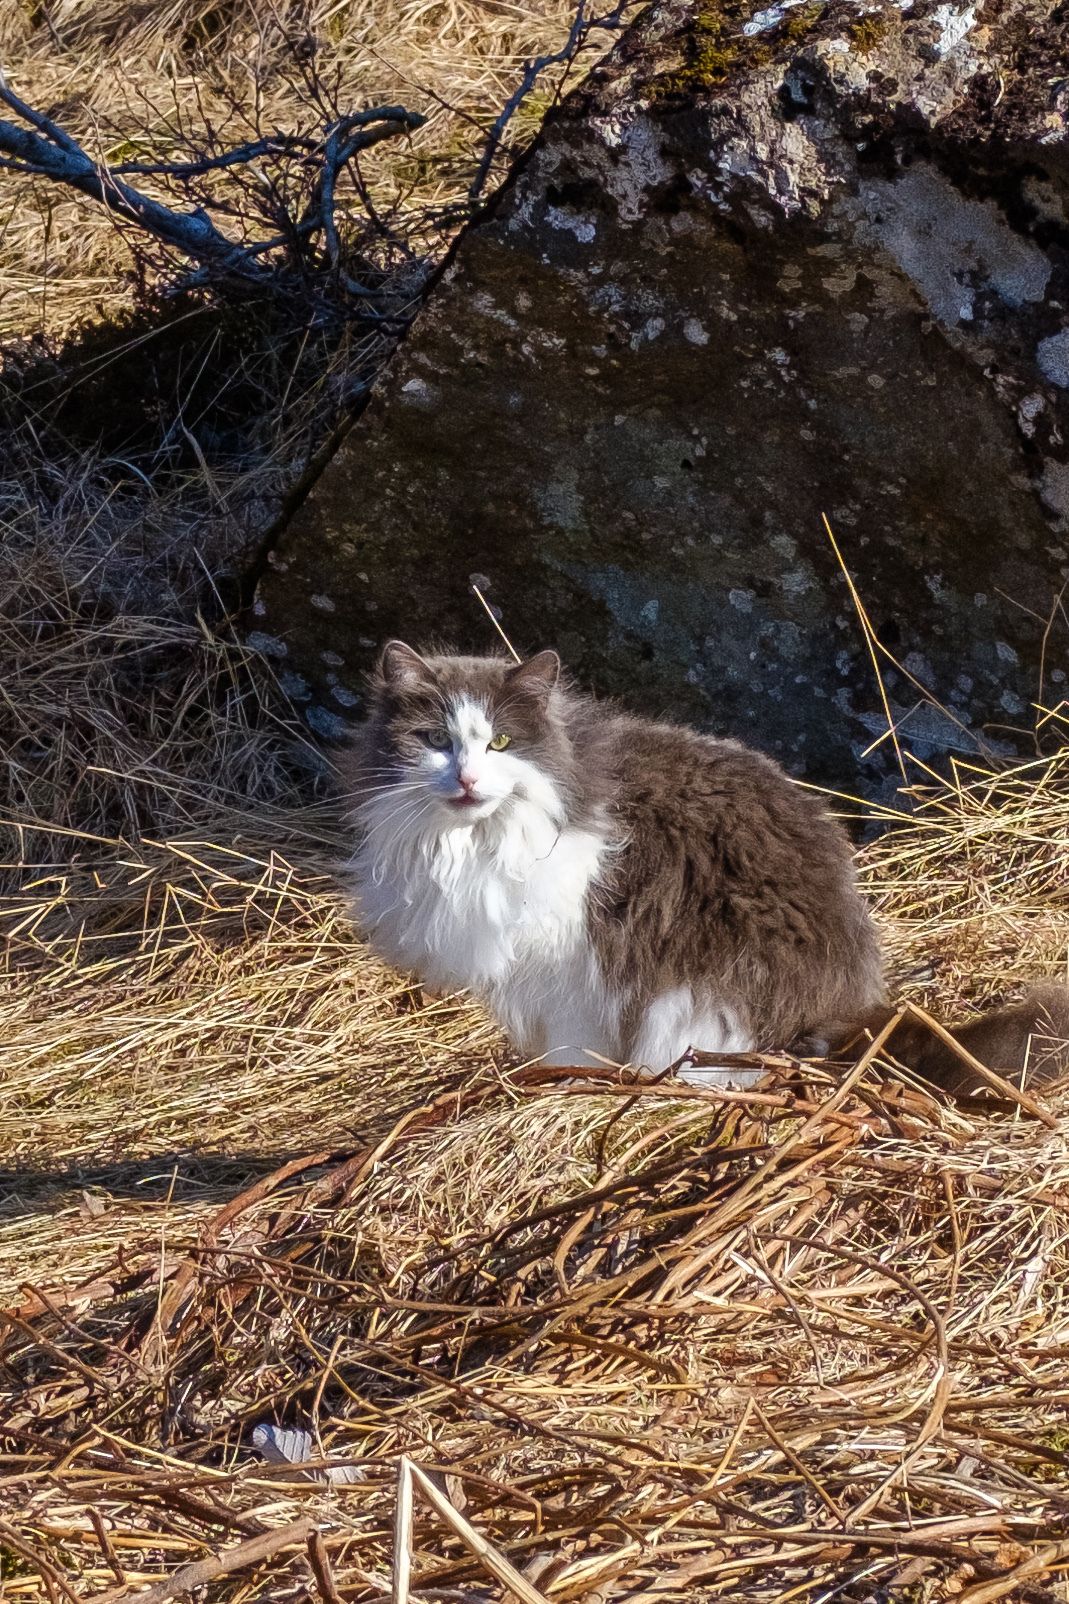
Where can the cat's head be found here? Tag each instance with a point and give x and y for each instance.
(465, 734)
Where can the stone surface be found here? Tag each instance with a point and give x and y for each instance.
(768, 264)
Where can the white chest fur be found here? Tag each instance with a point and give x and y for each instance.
(498, 906)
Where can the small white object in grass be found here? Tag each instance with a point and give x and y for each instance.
(289, 1445)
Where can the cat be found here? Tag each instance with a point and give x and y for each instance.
(612, 888)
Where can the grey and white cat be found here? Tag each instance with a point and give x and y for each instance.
(609, 886)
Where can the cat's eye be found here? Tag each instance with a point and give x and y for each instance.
(438, 738)
(498, 743)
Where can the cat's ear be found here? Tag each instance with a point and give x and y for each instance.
(402, 669)
(537, 676)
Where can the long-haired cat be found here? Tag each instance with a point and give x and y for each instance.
(608, 886)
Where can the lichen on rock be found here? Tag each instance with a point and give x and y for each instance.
(771, 263)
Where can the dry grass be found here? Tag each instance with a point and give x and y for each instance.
(151, 788)
(975, 893)
(801, 1343)
(142, 81)
(175, 430)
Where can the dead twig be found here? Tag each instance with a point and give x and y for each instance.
(581, 28)
(45, 149)
(319, 1560)
(203, 1571)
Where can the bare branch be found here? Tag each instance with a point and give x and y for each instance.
(341, 146)
(46, 150)
(276, 145)
(36, 119)
(192, 233)
(578, 33)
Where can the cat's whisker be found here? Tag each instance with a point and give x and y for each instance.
(391, 769)
(400, 822)
(377, 790)
(401, 812)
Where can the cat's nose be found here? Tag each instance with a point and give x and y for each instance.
(467, 781)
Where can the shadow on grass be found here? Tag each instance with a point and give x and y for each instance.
(180, 1177)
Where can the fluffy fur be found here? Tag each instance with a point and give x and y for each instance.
(621, 889)
(609, 886)
(1029, 1039)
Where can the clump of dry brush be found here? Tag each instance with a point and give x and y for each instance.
(248, 139)
(798, 1342)
(216, 220)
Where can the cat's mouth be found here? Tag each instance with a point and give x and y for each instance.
(466, 800)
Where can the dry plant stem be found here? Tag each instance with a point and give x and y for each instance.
(402, 1533)
(259, 1190)
(47, 150)
(319, 1560)
(494, 1563)
(1055, 1555)
(495, 622)
(336, 1186)
(798, 1465)
(107, 1547)
(54, 1582)
(871, 644)
(203, 1571)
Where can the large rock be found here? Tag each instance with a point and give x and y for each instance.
(765, 266)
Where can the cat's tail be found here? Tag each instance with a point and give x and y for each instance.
(1029, 1039)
